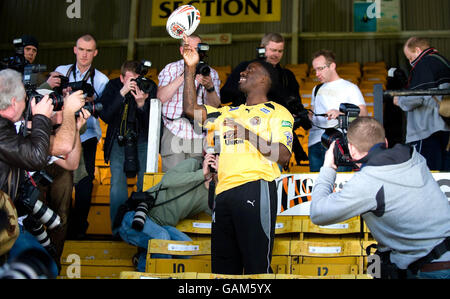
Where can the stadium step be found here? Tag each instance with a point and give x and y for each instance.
(96, 259)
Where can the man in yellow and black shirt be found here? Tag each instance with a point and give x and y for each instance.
(255, 139)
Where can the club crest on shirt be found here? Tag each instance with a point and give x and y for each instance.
(255, 121)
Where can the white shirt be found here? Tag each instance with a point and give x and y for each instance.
(100, 81)
(172, 110)
(329, 97)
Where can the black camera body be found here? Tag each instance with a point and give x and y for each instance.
(141, 203)
(29, 202)
(144, 84)
(351, 112)
(88, 91)
(93, 108)
(342, 155)
(56, 98)
(202, 67)
(87, 88)
(20, 64)
(131, 164)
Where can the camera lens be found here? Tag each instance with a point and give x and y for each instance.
(139, 216)
(330, 136)
(57, 101)
(203, 69)
(94, 109)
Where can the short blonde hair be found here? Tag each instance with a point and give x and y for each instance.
(364, 132)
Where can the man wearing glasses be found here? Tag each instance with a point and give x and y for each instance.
(326, 99)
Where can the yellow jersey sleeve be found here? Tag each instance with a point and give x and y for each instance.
(282, 124)
(212, 114)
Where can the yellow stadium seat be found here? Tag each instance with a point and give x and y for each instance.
(378, 64)
(225, 69)
(365, 84)
(99, 220)
(354, 64)
(114, 74)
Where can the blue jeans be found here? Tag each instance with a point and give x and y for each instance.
(316, 155)
(27, 241)
(119, 187)
(150, 231)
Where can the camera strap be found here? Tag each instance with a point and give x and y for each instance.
(176, 197)
(89, 75)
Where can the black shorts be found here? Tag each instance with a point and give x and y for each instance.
(243, 229)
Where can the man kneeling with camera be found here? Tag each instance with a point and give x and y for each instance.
(398, 198)
(182, 193)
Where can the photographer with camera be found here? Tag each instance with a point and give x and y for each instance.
(325, 103)
(51, 187)
(126, 110)
(398, 198)
(83, 75)
(19, 152)
(426, 129)
(255, 138)
(16, 151)
(31, 46)
(286, 92)
(153, 214)
(179, 139)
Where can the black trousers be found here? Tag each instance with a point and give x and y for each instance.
(434, 151)
(243, 229)
(83, 190)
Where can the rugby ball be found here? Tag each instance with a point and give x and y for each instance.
(184, 20)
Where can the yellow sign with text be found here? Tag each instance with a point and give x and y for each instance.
(221, 11)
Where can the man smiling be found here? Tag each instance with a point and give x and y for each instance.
(255, 138)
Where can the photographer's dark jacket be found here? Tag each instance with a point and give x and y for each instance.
(19, 153)
(398, 198)
(113, 105)
(287, 86)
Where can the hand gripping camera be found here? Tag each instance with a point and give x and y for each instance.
(144, 84)
(202, 66)
(341, 152)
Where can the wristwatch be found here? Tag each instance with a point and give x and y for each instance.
(210, 89)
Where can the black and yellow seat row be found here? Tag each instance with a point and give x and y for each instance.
(301, 248)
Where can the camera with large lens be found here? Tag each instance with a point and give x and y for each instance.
(86, 87)
(142, 202)
(93, 108)
(33, 226)
(30, 200)
(19, 63)
(202, 67)
(131, 163)
(144, 84)
(56, 98)
(341, 152)
(30, 264)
